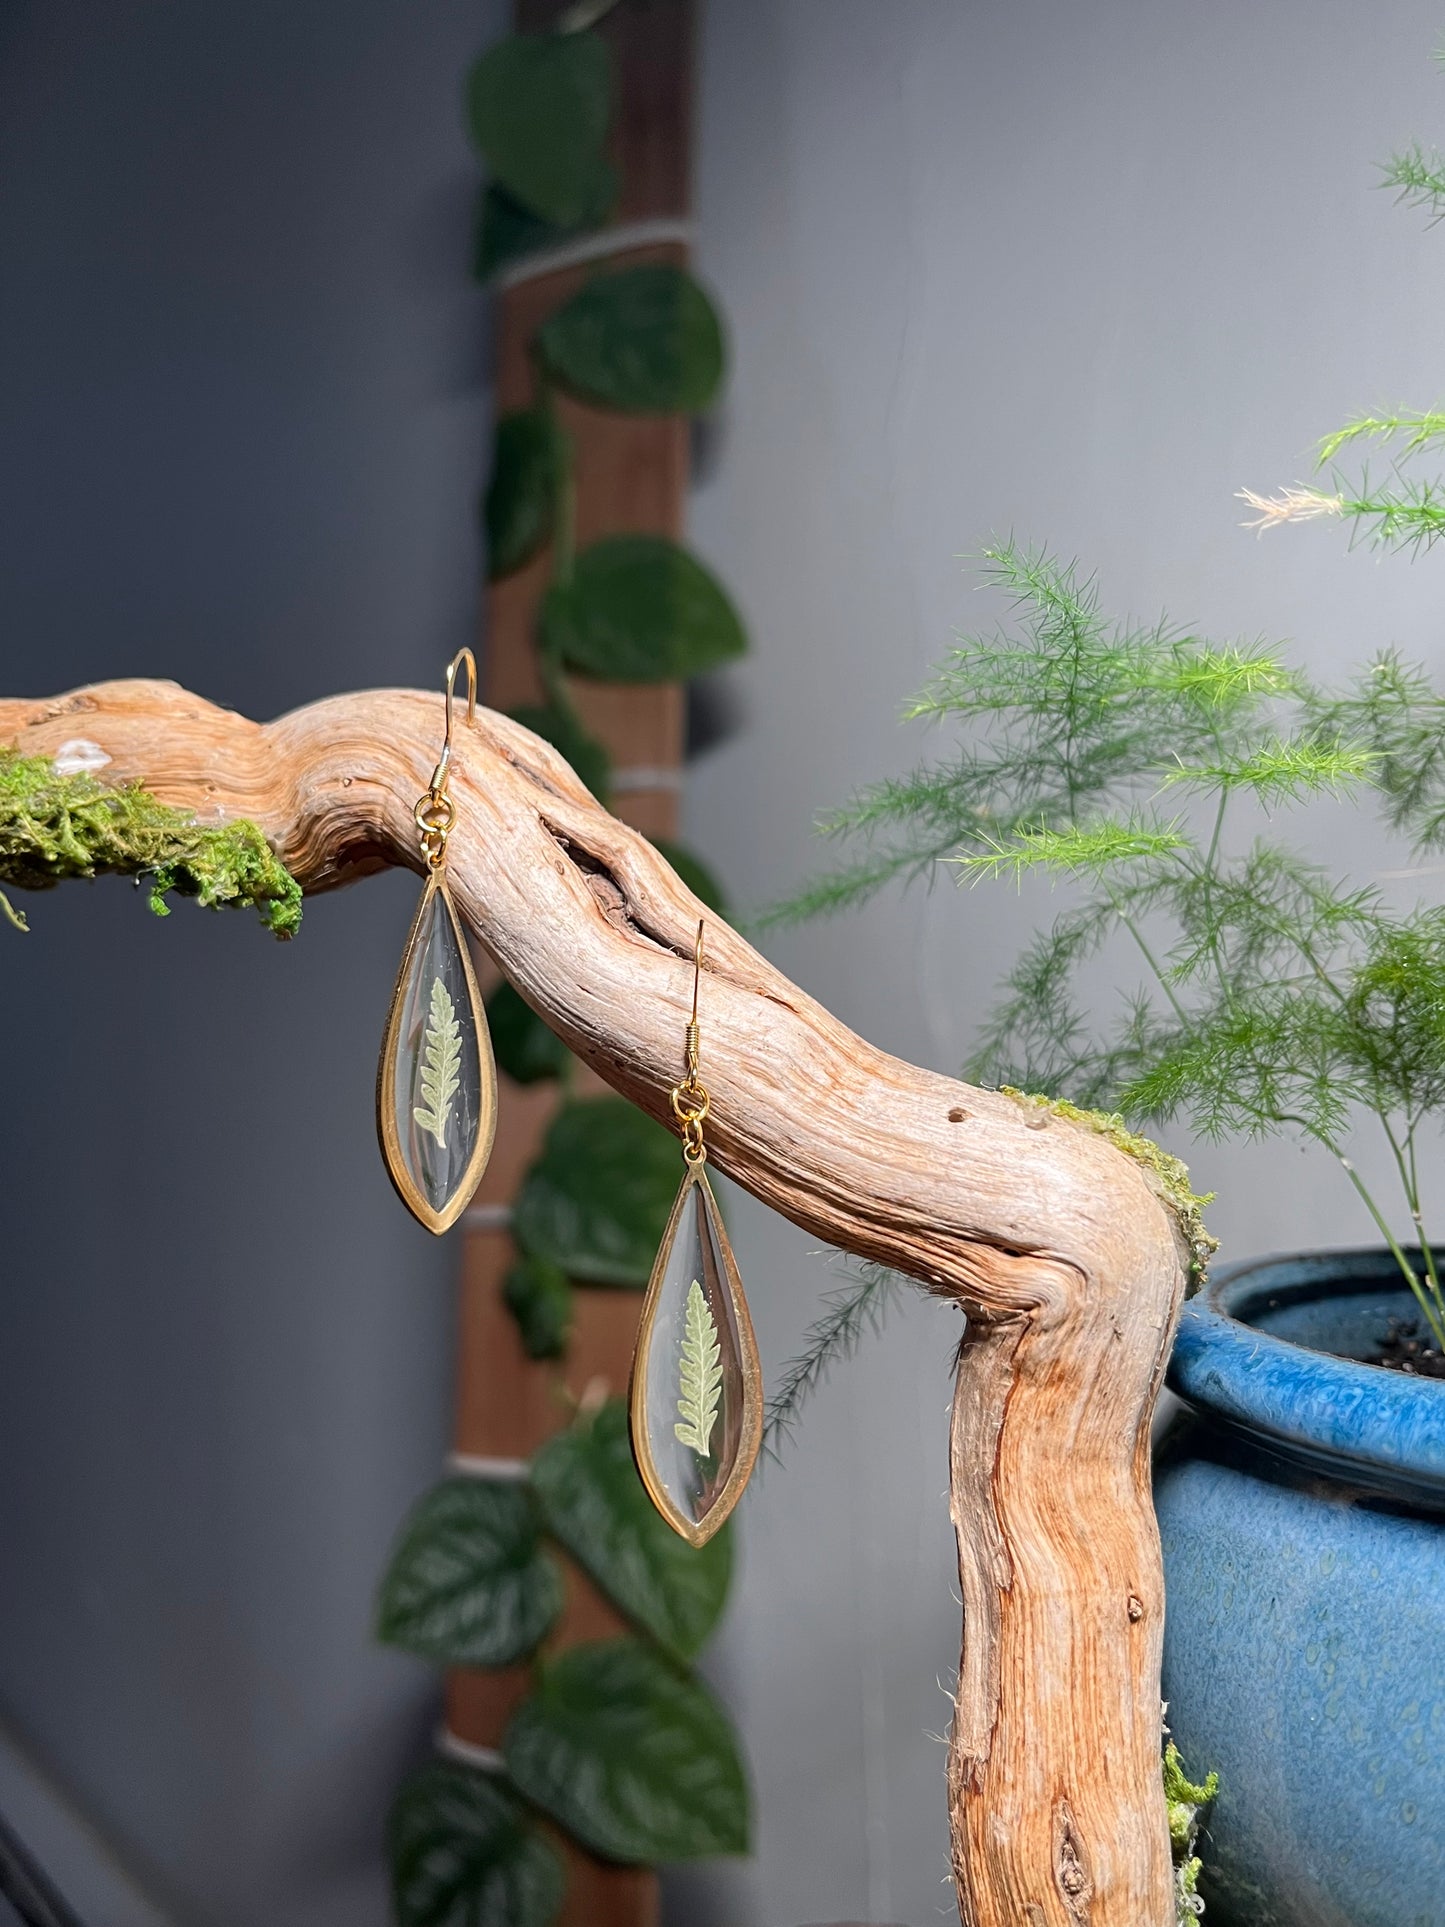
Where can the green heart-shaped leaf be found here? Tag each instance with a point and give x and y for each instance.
(561, 729)
(630, 1755)
(470, 1582)
(643, 340)
(539, 106)
(507, 231)
(539, 1297)
(521, 496)
(465, 1854)
(597, 1200)
(637, 608)
(596, 1505)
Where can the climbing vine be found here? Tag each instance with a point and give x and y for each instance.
(474, 1580)
(618, 1742)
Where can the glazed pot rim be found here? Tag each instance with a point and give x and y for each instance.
(1387, 1427)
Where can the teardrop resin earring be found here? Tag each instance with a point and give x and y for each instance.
(696, 1399)
(436, 1084)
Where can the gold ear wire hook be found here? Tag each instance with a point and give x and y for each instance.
(692, 1029)
(462, 656)
(444, 762)
(690, 1101)
(435, 812)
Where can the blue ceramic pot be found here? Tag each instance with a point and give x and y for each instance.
(1302, 1507)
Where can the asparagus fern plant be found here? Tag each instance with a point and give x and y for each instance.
(1146, 769)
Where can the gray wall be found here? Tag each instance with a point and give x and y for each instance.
(243, 386)
(1079, 271)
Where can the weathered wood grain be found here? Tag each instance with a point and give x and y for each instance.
(1067, 1265)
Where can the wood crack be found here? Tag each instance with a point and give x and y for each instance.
(1066, 1262)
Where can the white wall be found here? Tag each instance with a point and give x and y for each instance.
(1077, 269)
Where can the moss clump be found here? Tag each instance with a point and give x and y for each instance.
(1168, 1175)
(53, 827)
(1185, 1802)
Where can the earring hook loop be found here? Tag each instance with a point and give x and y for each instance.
(435, 812)
(690, 1101)
(444, 762)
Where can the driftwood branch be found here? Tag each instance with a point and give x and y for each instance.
(1066, 1263)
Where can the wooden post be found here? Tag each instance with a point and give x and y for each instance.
(1069, 1265)
(631, 476)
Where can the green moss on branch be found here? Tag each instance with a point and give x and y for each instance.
(53, 827)
(1168, 1175)
(1185, 1803)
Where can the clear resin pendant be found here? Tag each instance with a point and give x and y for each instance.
(697, 1388)
(436, 1087)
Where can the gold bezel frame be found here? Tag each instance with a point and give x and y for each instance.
(752, 1416)
(415, 1201)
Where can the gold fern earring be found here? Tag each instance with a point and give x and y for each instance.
(436, 1084)
(696, 1399)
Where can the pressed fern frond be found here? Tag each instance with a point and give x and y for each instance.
(700, 1374)
(441, 1063)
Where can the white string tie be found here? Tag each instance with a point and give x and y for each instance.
(646, 776)
(596, 247)
(487, 1758)
(487, 1217)
(471, 1465)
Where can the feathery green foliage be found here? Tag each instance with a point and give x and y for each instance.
(1418, 426)
(1396, 713)
(1417, 173)
(1074, 849)
(857, 1309)
(1406, 512)
(441, 1063)
(1263, 996)
(54, 827)
(699, 1373)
